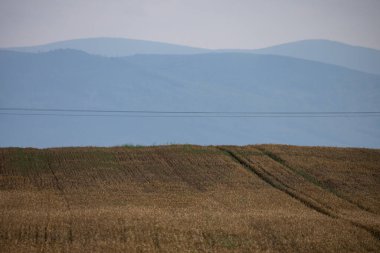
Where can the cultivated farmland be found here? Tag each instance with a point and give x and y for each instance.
(183, 198)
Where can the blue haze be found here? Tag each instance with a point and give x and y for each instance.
(114, 47)
(325, 51)
(205, 82)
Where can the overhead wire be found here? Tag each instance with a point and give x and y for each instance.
(226, 113)
(178, 114)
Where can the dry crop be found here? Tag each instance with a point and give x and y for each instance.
(183, 198)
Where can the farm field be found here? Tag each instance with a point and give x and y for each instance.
(184, 198)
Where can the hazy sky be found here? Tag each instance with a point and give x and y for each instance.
(200, 23)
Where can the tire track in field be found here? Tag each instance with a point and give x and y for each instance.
(276, 183)
(373, 231)
(193, 184)
(61, 190)
(267, 177)
(311, 179)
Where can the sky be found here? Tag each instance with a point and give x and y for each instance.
(214, 24)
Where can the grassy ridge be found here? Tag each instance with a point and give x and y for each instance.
(183, 198)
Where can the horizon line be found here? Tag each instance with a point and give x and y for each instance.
(185, 45)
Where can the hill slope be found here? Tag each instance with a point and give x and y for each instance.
(177, 198)
(325, 51)
(354, 57)
(206, 82)
(113, 47)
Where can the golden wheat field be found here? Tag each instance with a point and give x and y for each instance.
(184, 198)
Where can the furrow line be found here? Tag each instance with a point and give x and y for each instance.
(62, 193)
(278, 160)
(271, 180)
(262, 174)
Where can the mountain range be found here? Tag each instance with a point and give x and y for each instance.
(113, 47)
(326, 51)
(185, 79)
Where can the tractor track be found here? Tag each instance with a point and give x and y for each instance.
(63, 195)
(273, 181)
(280, 161)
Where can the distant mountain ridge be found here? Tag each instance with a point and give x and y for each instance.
(331, 52)
(201, 82)
(113, 47)
(325, 51)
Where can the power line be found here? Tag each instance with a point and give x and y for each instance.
(186, 112)
(193, 116)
